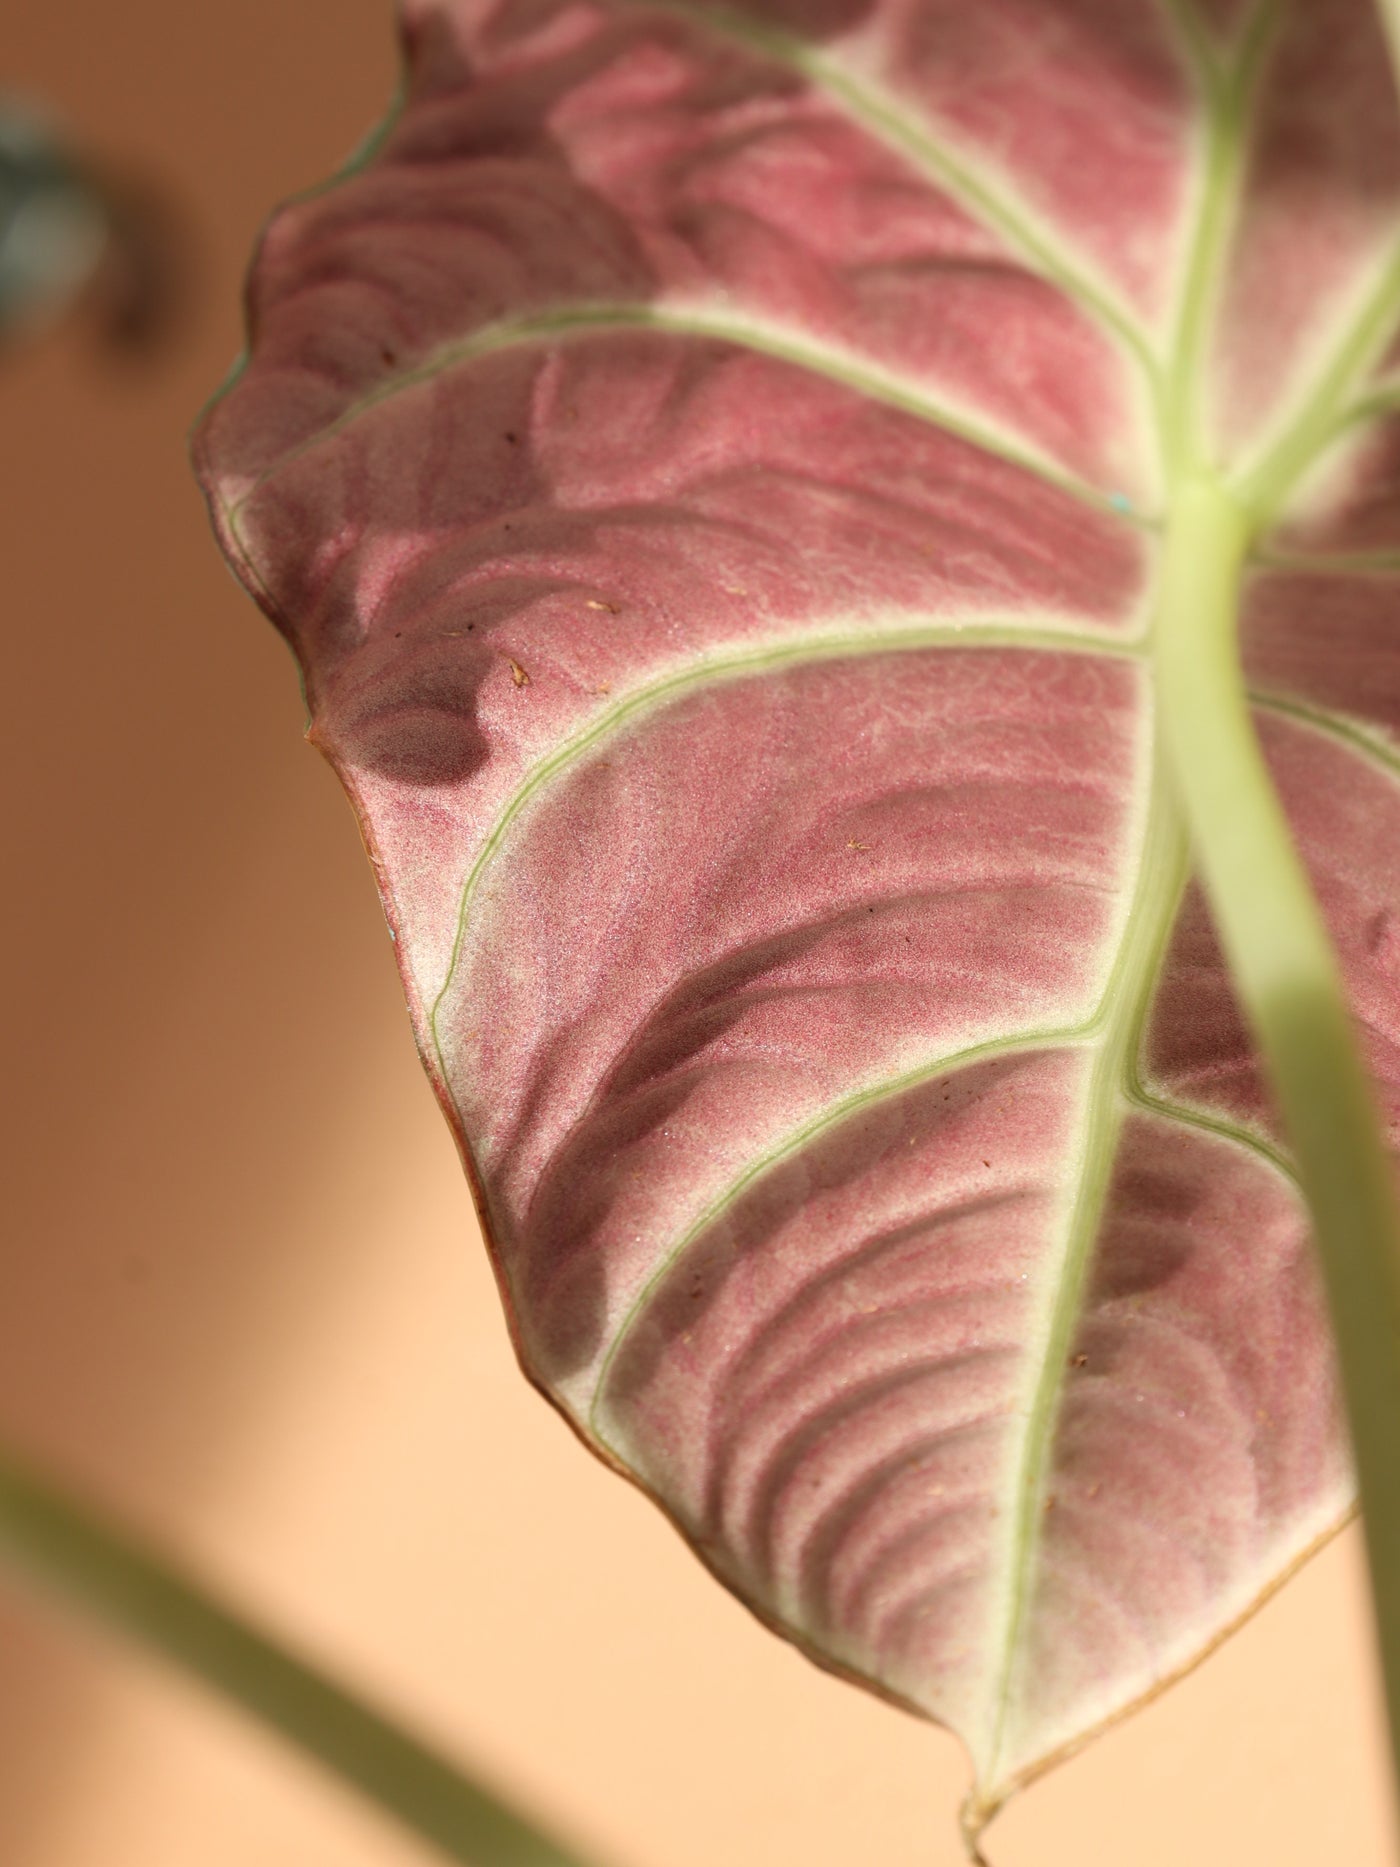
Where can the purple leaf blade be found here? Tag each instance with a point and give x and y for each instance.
(709, 467)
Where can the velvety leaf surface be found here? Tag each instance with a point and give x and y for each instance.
(710, 463)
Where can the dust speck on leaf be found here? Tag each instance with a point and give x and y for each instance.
(518, 675)
(613, 609)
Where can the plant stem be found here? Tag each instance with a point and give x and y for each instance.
(1390, 19)
(60, 1546)
(1282, 961)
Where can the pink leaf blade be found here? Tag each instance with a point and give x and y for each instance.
(709, 464)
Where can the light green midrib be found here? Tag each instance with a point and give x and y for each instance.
(755, 335)
(1122, 1015)
(1152, 913)
(1228, 101)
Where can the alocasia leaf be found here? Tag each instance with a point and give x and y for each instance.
(713, 466)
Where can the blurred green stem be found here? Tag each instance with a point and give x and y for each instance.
(57, 1543)
(1390, 19)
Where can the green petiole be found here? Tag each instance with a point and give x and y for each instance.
(65, 1550)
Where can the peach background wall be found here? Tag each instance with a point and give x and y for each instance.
(243, 1299)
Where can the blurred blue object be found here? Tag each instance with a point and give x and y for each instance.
(54, 223)
(75, 234)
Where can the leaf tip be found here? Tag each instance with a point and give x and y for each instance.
(973, 1818)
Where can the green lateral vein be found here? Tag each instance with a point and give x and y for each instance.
(1200, 47)
(723, 668)
(1019, 1043)
(1355, 735)
(1329, 563)
(1188, 1116)
(1321, 411)
(783, 345)
(1344, 423)
(1375, 405)
(886, 118)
